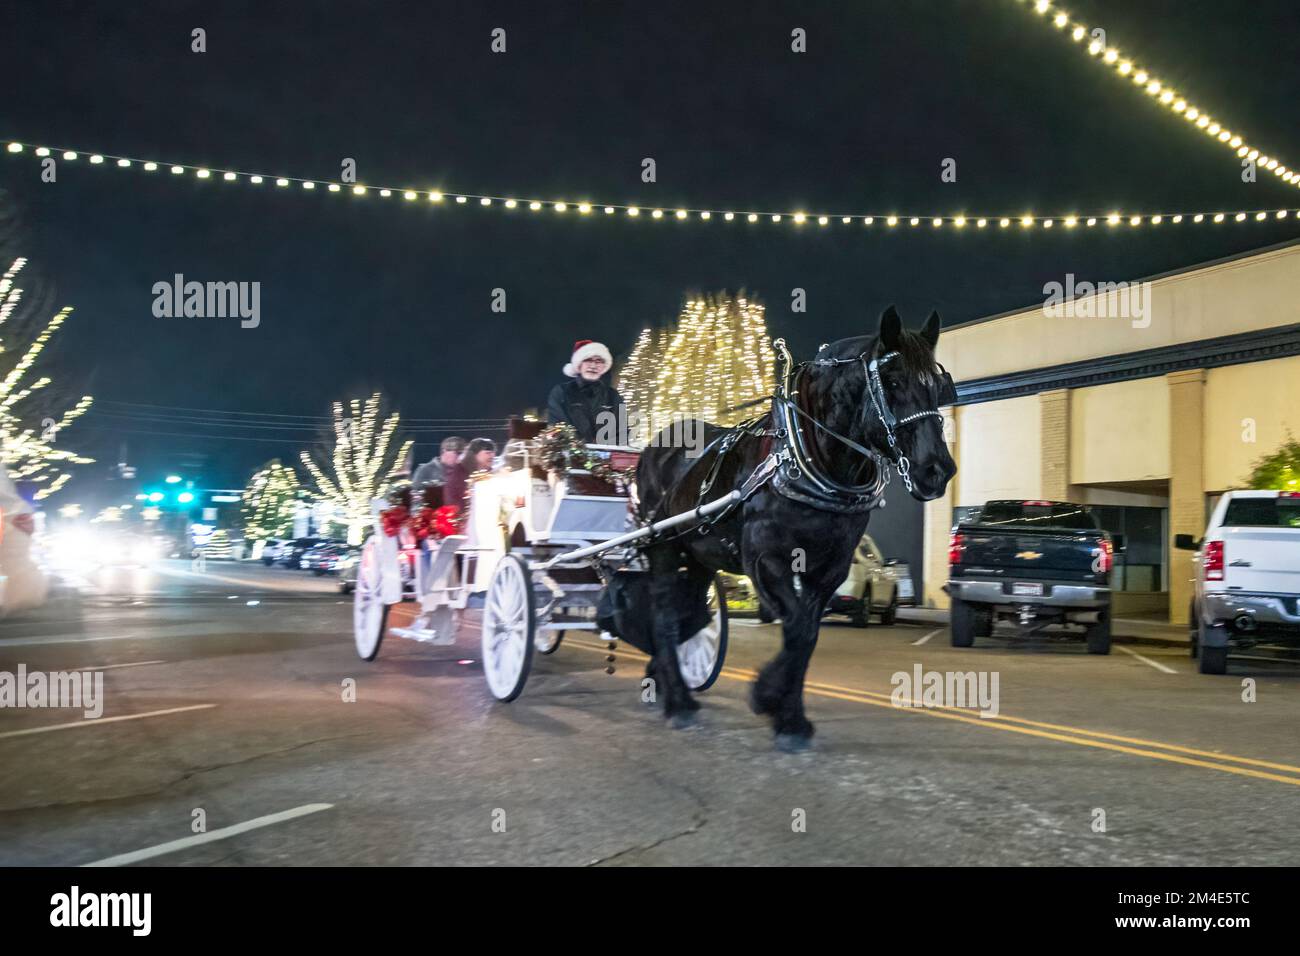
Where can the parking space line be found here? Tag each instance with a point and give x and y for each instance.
(927, 637)
(1059, 732)
(198, 839)
(97, 721)
(1146, 660)
(109, 667)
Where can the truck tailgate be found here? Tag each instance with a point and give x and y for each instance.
(1261, 559)
(1062, 555)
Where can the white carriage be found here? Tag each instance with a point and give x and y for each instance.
(536, 551)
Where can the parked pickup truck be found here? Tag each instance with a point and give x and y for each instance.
(1037, 562)
(1247, 584)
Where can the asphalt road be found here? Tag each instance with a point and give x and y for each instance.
(225, 701)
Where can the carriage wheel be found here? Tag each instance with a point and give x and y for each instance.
(509, 628)
(369, 612)
(548, 642)
(700, 656)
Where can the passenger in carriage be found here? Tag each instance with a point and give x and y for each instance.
(586, 401)
(477, 456)
(434, 471)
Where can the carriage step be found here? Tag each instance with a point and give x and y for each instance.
(426, 635)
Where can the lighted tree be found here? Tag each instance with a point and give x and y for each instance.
(638, 375)
(716, 358)
(354, 465)
(1279, 471)
(268, 502)
(33, 416)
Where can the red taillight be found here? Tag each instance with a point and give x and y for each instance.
(956, 545)
(1213, 561)
(1105, 556)
(1288, 494)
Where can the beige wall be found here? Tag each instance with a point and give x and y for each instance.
(1000, 451)
(1258, 292)
(1119, 432)
(1267, 393)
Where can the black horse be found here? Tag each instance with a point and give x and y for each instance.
(822, 457)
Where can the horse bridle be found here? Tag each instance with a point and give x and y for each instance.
(801, 460)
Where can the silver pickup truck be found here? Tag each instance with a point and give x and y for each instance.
(1247, 576)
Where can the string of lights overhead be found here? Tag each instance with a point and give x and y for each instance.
(1126, 66)
(884, 220)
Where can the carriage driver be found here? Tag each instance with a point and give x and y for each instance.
(585, 400)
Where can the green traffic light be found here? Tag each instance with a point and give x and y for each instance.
(185, 497)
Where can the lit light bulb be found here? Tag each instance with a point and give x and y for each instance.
(306, 185)
(1004, 222)
(256, 180)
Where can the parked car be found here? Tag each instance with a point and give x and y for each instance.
(325, 558)
(271, 550)
(291, 552)
(1035, 562)
(1247, 576)
(872, 587)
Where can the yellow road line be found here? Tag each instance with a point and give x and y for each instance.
(1072, 735)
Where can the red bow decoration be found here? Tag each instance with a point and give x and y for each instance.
(392, 519)
(446, 520)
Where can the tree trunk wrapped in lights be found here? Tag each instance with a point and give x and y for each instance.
(269, 502)
(32, 419)
(716, 357)
(356, 463)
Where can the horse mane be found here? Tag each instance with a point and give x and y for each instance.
(913, 351)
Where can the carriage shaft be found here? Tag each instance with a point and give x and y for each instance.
(659, 526)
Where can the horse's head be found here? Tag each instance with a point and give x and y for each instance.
(912, 387)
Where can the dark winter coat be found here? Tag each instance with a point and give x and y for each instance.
(594, 409)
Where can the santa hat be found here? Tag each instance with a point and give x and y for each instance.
(584, 349)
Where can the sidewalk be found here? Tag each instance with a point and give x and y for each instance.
(1124, 630)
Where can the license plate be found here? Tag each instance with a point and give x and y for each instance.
(1021, 587)
(905, 588)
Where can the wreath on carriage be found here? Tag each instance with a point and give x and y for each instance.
(559, 448)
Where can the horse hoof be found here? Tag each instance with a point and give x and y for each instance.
(793, 743)
(683, 720)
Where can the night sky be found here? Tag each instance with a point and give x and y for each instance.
(363, 294)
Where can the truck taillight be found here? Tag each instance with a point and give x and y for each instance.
(956, 545)
(1105, 556)
(1213, 561)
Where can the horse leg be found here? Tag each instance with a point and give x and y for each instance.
(679, 706)
(778, 692)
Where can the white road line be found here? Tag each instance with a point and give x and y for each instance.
(97, 721)
(1146, 660)
(198, 839)
(927, 637)
(109, 667)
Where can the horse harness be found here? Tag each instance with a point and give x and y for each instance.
(790, 467)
